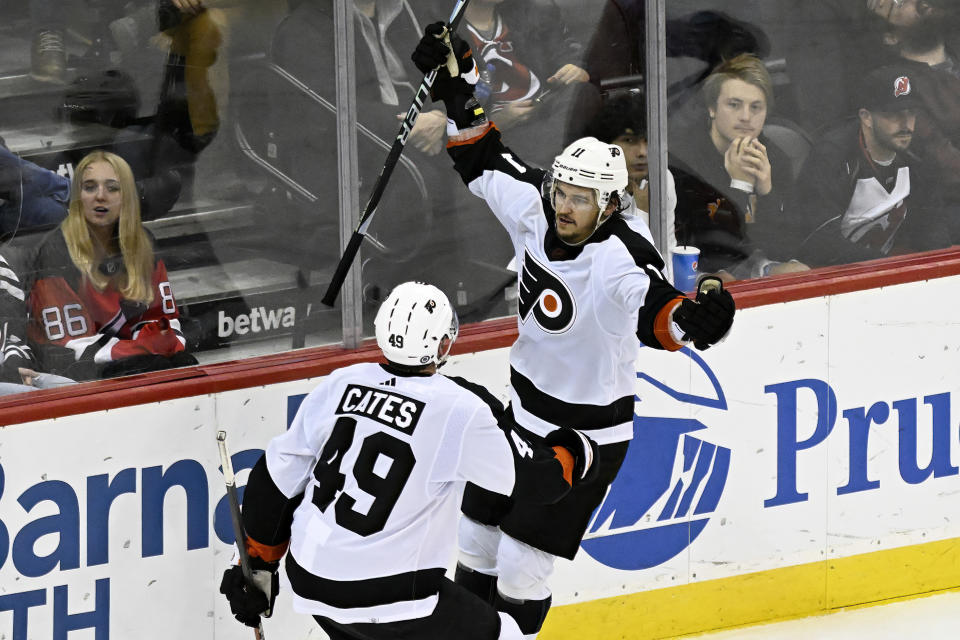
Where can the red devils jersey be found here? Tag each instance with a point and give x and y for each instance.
(75, 326)
(581, 309)
(500, 67)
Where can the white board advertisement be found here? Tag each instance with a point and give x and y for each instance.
(819, 429)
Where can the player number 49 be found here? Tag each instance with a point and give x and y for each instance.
(396, 341)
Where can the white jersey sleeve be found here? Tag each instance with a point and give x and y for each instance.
(493, 172)
(508, 199)
(292, 456)
(485, 457)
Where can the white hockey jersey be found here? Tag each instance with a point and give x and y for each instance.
(581, 309)
(381, 459)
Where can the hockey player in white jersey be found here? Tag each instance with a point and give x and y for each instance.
(590, 285)
(362, 492)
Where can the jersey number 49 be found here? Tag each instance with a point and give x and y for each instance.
(385, 490)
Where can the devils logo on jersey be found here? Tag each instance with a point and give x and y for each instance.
(543, 294)
(500, 67)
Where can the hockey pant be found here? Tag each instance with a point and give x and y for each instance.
(510, 574)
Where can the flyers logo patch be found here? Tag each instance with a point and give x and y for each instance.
(901, 86)
(545, 296)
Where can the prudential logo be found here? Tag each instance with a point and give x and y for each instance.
(669, 484)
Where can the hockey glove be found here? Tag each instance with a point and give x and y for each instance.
(249, 602)
(583, 449)
(708, 320)
(456, 92)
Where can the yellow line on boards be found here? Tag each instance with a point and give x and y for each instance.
(754, 598)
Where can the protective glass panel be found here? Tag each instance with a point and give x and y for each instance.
(845, 124)
(811, 134)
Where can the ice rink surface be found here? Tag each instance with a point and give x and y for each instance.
(935, 617)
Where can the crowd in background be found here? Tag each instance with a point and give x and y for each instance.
(801, 135)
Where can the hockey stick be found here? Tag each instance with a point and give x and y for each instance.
(237, 522)
(353, 246)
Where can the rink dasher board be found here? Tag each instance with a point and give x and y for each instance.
(771, 543)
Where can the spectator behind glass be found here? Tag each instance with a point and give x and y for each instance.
(616, 52)
(529, 62)
(193, 89)
(30, 195)
(732, 184)
(866, 195)
(925, 32)
(385, 83)
(110, 97)
(623, 121)
(48, 53)
(100, 302)
(196, 36)
(305, 139)
(835, 42)
(17, 364)
(919, 30)
(828, 45)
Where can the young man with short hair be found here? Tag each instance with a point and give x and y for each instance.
(732, 184)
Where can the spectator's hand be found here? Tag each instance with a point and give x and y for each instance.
(733, 161)
(513, 113)
(753, 158)
(791, 266)
(188, 7)
(569, 74)
(641, 194)
(428, 132)
(28, 376)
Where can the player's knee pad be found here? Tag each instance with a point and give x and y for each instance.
(508, 628)
(528, 614)
(523, 570)
(478, 546)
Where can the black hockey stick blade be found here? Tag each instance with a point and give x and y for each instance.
(353, 246)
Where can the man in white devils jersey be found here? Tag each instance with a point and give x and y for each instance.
(590, 285)
(364, 488)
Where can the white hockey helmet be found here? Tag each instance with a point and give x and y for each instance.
(596, 165)
(412, 323)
